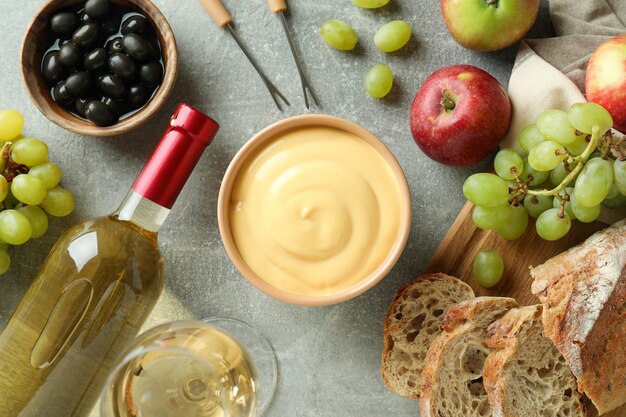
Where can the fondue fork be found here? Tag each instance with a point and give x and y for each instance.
(278, 7)
(222, 19)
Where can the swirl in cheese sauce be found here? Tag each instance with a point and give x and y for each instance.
(315, 211)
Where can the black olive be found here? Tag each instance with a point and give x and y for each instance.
(115, 45)
(118, 107)
(78, 83)
(151, 74)
(137, 95)
(99, 113)
(135, 24)
(64, 23)
(96, 61)
(85, 18)
(137, 47)
(86, 36)
(80, 104)
(69, 54)
(52, 68)
(98, 9)
(61, 95)
(112, 85)
(111, 25)
(122, 65)
(155, 50)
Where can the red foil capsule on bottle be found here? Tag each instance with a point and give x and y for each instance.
(176, 155)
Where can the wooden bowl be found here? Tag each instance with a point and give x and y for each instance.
(249, 151)
(38, 39)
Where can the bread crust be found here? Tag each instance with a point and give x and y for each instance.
(504, 337)
(583, 292)
(460, 319)
(389, 330)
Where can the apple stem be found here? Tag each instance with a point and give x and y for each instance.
(492, 3)
(447, 102)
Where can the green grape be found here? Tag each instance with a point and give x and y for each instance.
(517, 224)
(529, 137)
(15, 228)
(10, 200)
(4, 188)
(339, 35)
(619, 175)
(392, 36)
(551, 226)
(11, 124)
(616, 202)
(613, 191)
(538, 177)
(370, 4)
(507, 160)
(491, 217)
(59, 202)
(546, 156)
(488, 267)
(28, 189)
(582, 213)
(578, 146)
(594, 182)
(584, 116)
(37, 218)
(557, 175)
(30, 152)
(48, 172)
(537, 204)
(378, 81)
(5, 261)
(555, 125)
(487, 190)
(556, 203)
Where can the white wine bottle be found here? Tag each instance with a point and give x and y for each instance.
(96, 288)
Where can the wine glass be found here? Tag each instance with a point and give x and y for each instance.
(193, 369)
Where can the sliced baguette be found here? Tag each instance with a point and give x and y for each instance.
(583, 292)
(526, 375)
(414, 319)
(452, 380)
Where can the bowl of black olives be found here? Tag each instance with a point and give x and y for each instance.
(99, 67)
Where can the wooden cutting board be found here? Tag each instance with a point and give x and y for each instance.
(457, 250)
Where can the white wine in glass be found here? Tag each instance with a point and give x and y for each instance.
(192, 369)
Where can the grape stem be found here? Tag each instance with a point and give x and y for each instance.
(580, 160)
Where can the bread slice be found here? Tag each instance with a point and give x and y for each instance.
(414, 319)
(452, 380)
(583, 292)
(526, 375)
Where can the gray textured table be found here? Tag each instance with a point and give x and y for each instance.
(328, 357)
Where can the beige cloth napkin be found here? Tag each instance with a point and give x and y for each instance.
(550, 73)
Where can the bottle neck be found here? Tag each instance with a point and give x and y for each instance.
(142, 212)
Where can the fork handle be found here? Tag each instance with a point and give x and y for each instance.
(217, 11)
(277, 5)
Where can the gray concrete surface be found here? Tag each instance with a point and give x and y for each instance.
(328, 357)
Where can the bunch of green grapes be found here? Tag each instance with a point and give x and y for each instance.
(29, 187)
(389, 38)
(573, 165)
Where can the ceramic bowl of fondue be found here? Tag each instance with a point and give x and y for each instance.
(314, 210)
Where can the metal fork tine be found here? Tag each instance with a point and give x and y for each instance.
(268, 84)
(296, 58)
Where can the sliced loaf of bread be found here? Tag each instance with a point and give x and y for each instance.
(414, 319)
(526, 375)
(452, 380)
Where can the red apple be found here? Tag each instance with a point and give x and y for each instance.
(488, 25)
(605, 82)
(459, 115)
